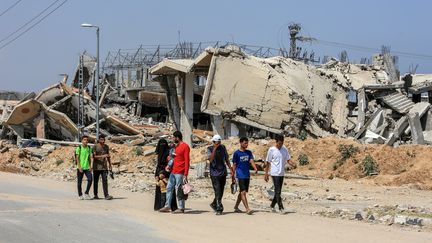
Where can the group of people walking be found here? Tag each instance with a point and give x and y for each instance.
(173, 167)
(172, 171)
(94, 160)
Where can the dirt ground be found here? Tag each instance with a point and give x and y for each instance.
(401, 189)
(404, 165)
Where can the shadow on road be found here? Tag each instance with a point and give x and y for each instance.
(196, 211)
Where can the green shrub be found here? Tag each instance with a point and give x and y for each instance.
(302, 135)
(59, 162)
(369, 166)
(303, 159)
(347, 151)
(139, 151)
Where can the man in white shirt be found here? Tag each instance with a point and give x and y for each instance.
(277, 157)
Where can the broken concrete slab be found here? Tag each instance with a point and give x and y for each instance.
(371, 137)
(428, 120)
(121, 126)
(378, 113)
(420, 108)
(421, 87)
(339, 113)
(266, 91)
(400, 126)
(398, 102)
(416, 129)
(427, 135)
(361, 105)
(394, 85)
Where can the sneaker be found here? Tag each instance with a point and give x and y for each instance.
(282, 211)
(219, 213)
(96, 197)
(180, 210)
(273, 210)
(165, 210)
(81, 197)
(213, 206)
(87, 197)
(108, 197)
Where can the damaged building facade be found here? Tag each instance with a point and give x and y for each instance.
(53, 115)
(281, 95)
(233, 93)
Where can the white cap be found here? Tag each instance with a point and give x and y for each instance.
(216, 138)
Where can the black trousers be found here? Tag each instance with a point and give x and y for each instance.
(277, 182)
(80, 176)
(160, 199)
(97, 174)
(218, 187)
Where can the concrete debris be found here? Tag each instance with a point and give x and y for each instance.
(416, 128)
(233, 94)
(281, 95)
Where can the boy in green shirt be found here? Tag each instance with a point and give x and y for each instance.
(84, 167)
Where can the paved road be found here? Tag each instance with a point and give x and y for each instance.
(40, 212)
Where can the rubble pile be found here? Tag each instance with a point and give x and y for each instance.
(400, 215)
(281, 95)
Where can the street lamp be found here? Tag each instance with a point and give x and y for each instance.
(86, 25)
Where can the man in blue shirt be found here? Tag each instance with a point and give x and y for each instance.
(242, 160)
(219, 160)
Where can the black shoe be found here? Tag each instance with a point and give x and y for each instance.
(108, 197)
(96, 197)
(218, 213)
(213, 206)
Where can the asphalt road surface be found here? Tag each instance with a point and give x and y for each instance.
(42, 210)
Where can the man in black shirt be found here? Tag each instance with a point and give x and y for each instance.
(219, 159)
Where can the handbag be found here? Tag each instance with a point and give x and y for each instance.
(187, 188)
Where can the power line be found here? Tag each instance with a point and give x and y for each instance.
(11, 7)
(28, 22)
(33, 25)
(373, 50)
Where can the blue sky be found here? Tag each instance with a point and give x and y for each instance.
(34, 61)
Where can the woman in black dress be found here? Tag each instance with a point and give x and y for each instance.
(162, 151)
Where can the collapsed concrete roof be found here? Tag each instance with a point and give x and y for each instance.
(171, 66)
(274, 94)
(23, 120)
(53, 114)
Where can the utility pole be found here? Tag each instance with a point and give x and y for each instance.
(80, 97)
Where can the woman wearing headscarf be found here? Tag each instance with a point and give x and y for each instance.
(163, 152)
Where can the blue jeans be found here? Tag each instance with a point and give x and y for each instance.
(174, 182)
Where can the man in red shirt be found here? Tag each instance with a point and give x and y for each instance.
(179, 173)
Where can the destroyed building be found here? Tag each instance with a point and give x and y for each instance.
(281, 95)
(234, 93)
(53, 115)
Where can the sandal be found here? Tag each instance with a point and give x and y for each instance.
(236, 210)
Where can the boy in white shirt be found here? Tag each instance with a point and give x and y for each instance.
(277, 157)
